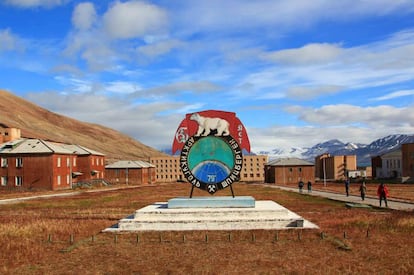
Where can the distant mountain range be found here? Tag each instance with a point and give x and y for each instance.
(335, 147)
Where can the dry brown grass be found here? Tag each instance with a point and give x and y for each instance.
(36, 235)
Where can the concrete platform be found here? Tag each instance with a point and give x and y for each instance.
(158, 217)
(212, 202)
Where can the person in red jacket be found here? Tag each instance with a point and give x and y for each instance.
(382, 193)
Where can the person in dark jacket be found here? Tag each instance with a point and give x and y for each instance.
(363, 190)
(309, 187)
(300, 185)
(347, 187)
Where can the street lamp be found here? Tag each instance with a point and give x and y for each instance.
(324, 172)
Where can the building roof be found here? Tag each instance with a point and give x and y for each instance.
(121, 164)
(39, 146)
(289, 162)
(393, 154)
(80, 150)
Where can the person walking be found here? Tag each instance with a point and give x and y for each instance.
(363, 190)
(382, 193)
(347, 187)
(300, 185)
(309, 187)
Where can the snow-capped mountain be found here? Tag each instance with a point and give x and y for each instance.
(364, 152)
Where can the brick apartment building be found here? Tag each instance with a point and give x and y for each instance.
(130, 172)
(289, 170)
(334, 167)
(168, 168)
(39, 164)
(407, 153)
(397, 164)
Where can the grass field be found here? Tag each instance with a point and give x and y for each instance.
(63, 236)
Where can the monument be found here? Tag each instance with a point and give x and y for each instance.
(211, 145)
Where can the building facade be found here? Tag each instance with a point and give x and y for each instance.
(289, 170)
(391, 165)
(39, 164)
(333, 168)
(9, 134)
(130, 172)
(168, 168)
(407, 151)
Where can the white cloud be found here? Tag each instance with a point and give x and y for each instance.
(304, 93)
(382, 116)
(8, 41)
(222, 16)
(159, 48)
(309, 54)
(35, 3)
(178, 87)
(121, 87)
(134, 19)
(84, 16)
(396, 94)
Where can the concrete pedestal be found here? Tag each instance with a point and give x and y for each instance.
(160, 217)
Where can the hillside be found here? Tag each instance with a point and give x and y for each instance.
(36, 122)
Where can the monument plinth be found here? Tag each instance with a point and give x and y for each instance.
(266, 215)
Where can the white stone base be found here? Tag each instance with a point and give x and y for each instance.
(158, 217)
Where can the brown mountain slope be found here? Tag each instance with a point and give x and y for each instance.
(36, 122)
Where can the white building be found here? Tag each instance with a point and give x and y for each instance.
(391, 165)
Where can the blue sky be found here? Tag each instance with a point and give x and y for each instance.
(296, 72)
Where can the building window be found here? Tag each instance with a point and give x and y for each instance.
(18, 181)
(300, 169)
(67, 162)
(58, 180)
(19, 162)
(67, 179)
(58, 162)
(3, 181)
(3, 162)
(74, 162)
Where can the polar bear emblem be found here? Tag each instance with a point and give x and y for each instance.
(207, 124)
